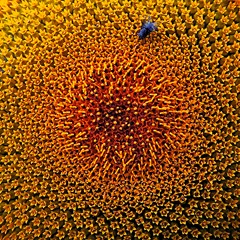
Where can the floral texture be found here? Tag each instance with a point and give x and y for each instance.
(108, 136)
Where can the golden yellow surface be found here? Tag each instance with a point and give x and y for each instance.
(106, 136)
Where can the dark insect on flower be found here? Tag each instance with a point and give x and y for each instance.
(147, 28)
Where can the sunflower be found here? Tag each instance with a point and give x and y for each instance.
(108, 136)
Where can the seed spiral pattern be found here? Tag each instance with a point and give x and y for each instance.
(105, 136)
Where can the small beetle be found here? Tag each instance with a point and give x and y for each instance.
(147, 28)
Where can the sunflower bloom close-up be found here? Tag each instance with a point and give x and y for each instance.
(120, 119)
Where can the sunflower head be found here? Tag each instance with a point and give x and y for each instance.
(107, 136)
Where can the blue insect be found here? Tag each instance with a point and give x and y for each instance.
(147, 28)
